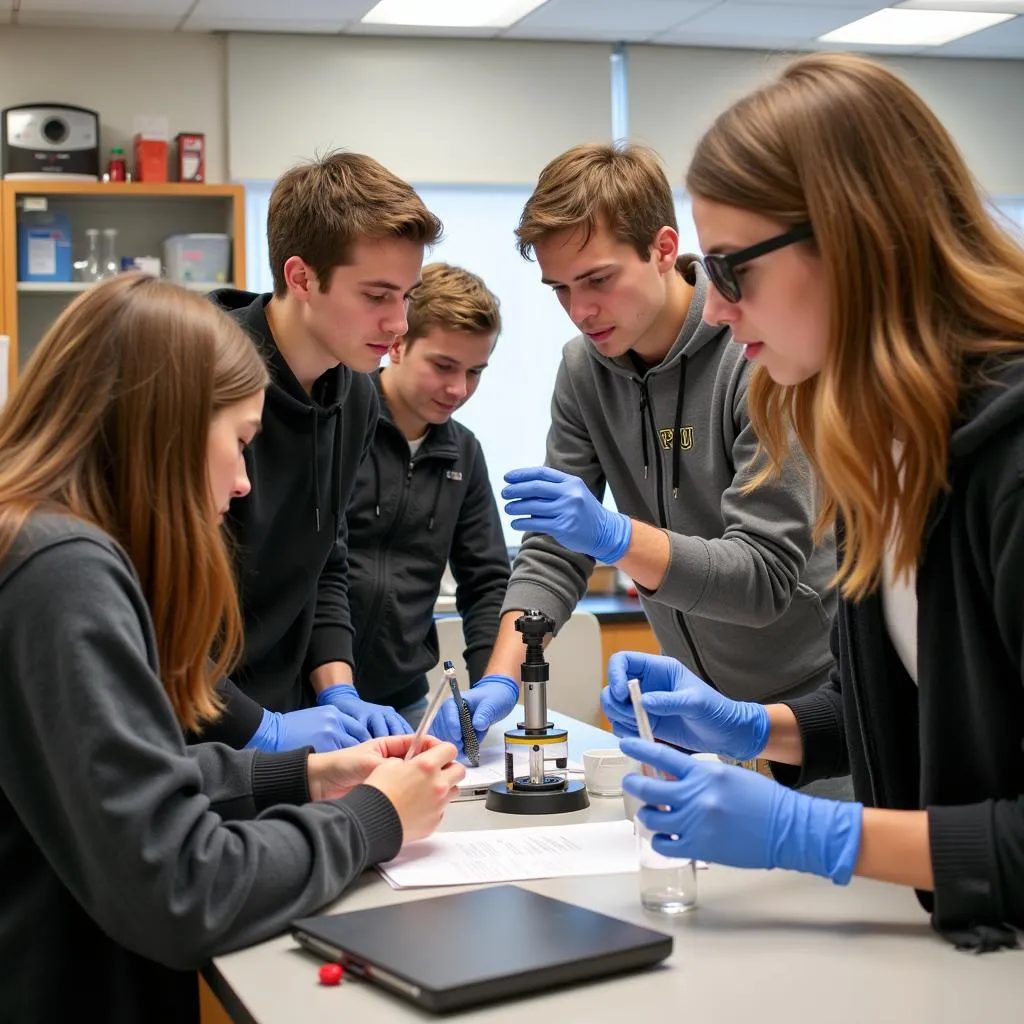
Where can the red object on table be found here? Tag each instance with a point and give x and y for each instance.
(331, 974)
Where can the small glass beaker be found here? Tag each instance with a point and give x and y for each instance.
(89, 269)
(668, 885)
(111, 265)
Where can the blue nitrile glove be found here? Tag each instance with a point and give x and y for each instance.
(375, 719)
(561, 505)
(323, 729)
(489, 700)
(683, 710)
(731, 815)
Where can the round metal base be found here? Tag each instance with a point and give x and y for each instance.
(523, 801)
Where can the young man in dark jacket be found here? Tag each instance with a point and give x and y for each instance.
(423, 499)
(346, 240)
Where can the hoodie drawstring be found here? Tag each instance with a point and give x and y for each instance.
(677, 438)
(336, 463)
(316, 467)
(643, 422)
(376, 480)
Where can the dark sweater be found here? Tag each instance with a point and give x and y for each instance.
(409, 517)
(126, 858)
(290, 532)
(955, 744)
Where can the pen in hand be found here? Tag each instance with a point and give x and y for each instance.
(428, 717)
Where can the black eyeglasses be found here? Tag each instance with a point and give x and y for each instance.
(721, 266)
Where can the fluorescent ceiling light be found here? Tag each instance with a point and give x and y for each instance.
(450, 13)
(893, 27)
(991, 6)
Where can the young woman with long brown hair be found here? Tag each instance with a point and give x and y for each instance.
(884, 307)
(125, 856)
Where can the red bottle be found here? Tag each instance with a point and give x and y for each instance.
(117, 168)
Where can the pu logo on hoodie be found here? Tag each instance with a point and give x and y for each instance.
(453, 474)
(668, 436)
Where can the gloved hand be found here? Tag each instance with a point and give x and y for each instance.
(561, 505)
(374, 719)
(489, 700)
(683, 710)
(323, 729)
(731, 815)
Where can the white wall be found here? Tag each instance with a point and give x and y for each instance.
(469, 111)
(119, 75)
(676, 92)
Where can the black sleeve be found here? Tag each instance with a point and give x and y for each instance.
(479, 561)
(239, 721)
(819, 716)
(978, 849)
(93, 765)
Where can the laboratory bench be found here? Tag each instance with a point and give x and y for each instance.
(773, 947)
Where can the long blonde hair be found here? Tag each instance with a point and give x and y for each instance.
(925, 287)
(110, 423)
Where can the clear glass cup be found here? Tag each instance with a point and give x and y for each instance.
(668, 885)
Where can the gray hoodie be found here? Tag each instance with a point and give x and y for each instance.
(745, 601)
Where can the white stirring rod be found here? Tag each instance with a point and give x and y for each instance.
(643, 725)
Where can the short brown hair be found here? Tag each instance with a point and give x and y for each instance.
(620, 185)
(453, 299)
(319, 210)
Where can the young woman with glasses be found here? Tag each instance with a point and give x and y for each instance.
(883, 306)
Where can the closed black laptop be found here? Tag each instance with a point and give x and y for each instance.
(451, 952)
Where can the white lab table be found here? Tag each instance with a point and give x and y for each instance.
(761, 947)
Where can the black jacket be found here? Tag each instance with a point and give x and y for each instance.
(407, 520)
(289, 533)
(955, 744)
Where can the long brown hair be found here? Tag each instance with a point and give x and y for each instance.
(110, 423)
(924, 285)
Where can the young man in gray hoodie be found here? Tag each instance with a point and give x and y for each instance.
(650, 401)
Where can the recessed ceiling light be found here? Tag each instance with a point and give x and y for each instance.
(450, 13)
(901, 27)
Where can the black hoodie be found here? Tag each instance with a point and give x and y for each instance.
(408, 518)
(290, 532)
(954, 745)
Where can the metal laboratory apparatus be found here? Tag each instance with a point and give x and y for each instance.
(546, 789)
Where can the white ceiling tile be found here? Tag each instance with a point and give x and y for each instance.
(982, 6)
(865, 6)
(139, 8)
(770, 23)
(588, 19)
(1005, 40)
(734, 40)
(358, 28)
(66, 19)
(322, 11)
(278, 25)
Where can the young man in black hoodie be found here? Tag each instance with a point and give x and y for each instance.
(423, 500)
(346, 240)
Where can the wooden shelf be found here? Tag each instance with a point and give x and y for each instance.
(123, 189)
(67, 287)
(146, 213)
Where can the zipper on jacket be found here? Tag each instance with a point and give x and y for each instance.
(371, 625)
(646, 405)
